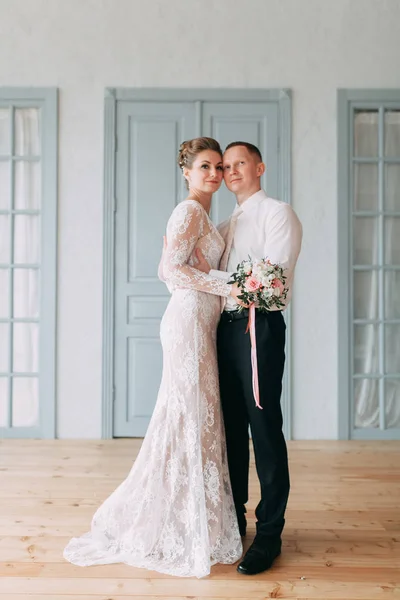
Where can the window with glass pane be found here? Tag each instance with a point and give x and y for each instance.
(375, 263)
(25, 227)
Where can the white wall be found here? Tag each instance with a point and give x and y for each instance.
(310, 46)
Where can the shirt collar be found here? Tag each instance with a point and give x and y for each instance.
(251, 202)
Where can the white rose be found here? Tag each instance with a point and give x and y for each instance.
(247, 267)
(265, 281)
(259, 265)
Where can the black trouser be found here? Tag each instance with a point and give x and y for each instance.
(239, 410)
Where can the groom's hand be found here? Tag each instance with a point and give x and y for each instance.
(202, 264)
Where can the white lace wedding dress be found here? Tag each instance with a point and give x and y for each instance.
(174, 512)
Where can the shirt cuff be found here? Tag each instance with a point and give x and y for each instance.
(224, 275)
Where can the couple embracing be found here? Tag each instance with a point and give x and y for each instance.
(182, 507)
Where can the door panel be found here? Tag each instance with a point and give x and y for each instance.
(149, 185)
(254, 122)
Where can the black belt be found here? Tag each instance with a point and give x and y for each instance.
(228, 316)
(233, 315)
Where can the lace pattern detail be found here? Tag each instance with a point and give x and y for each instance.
(189, 227)
(174, 512)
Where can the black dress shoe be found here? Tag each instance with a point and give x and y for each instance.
(258, 559)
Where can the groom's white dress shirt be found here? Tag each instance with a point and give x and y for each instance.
(265, 228)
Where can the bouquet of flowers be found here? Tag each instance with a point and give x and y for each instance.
(262, 283)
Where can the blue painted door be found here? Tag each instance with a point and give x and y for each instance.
(148, 186)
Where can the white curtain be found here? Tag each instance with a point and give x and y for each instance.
(365, 252)
(27, 195)
(4, 257)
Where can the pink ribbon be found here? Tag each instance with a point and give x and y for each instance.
(251, 325)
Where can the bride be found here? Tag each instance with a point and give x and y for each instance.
(174, 512)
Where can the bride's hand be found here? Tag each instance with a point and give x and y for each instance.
(235, 293)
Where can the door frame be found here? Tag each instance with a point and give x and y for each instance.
(282, 98)
(45, 99)
(349, 100)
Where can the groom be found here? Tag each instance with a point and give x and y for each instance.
(260, 227)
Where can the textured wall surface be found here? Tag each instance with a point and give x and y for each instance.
(312, 47)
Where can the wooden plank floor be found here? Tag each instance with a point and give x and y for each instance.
(341, 541)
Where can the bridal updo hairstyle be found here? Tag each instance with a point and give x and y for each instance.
(189, 150)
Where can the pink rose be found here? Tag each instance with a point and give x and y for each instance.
(252, 284)
(277, 283)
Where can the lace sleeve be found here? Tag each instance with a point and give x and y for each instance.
(184, 228)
